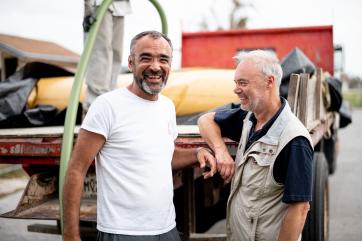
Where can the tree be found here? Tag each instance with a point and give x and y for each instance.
(239, 14)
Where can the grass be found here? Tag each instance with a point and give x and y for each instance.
(354, 97)
(14, 174)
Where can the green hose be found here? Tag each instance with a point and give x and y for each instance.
(162, 16)
(67, 142)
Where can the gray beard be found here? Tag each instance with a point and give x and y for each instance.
(146, 88)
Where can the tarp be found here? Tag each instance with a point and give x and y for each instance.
(294, 62)
(15, 91)
(297, 62)
(335, 92)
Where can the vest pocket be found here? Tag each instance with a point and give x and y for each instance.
(264, 155)
(262, 159)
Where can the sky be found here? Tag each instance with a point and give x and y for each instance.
(60, 21)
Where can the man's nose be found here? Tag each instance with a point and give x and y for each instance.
(155, 65)
(237, 89)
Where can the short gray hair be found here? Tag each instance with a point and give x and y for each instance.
(265, 61)
(153, 34)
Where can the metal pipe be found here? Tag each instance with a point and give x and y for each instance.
(68, 136)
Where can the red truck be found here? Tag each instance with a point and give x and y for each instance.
(199, 203)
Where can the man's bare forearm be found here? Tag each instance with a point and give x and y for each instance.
(187, 157)
(293, 222)
(87, 146)
(73, 189)
(183, 158)
(210, 131)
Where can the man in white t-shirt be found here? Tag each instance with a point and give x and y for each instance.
(131, 132)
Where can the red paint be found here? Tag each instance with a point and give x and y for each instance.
(45, 151)
(216, 49)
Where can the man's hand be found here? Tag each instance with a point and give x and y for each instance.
(206, 159)
(225, 164)
(211, 132)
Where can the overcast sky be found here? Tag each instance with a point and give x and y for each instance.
(60, 21)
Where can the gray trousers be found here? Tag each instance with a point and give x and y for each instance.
(105, 61)
(172, 235)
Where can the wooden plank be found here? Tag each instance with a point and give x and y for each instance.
(319, 131)
(44, 228)
(293, 91)
(318, 93)
(51, 131)
(2, 66)
(311, 101)
(302, 108)
(188, 130)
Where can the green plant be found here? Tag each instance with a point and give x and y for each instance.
(354, 97)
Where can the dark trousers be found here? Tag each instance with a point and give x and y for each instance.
(172, 235)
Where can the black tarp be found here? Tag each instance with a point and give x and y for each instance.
(14, 93)
(335, 92)
(295, 62)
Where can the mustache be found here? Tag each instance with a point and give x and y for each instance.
(153, 72)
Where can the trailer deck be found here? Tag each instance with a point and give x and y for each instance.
(39, 150)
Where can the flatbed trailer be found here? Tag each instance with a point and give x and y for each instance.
(39, 149)
(199, 203)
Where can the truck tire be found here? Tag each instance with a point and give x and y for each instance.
(316, 227)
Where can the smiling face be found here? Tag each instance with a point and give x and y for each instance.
(150, 63)
(250, 87)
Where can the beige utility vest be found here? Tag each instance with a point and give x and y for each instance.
(255, 209)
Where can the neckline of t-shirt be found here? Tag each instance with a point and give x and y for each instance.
(133, 95)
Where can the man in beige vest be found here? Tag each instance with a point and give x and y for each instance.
(271, 188)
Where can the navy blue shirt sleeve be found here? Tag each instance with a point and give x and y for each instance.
(296, 159)
(230, 122)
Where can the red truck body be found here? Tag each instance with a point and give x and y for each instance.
(216, 49)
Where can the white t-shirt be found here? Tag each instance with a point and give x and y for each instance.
(134, 174)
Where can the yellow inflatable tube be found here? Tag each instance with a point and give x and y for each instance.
(191, 90)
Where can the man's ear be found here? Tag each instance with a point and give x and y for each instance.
(130, 64)
(270, 80)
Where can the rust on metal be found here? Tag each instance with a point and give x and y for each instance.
(17, 148)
